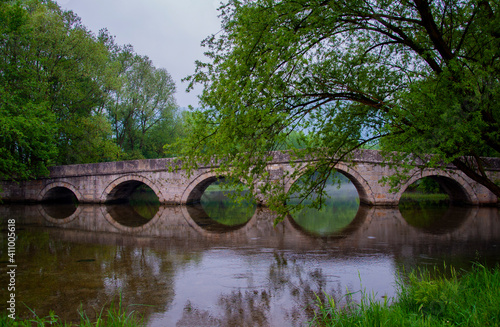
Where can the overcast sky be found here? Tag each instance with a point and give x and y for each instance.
(169, 32)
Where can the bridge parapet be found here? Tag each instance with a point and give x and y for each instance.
(156, 165)
(111, 168)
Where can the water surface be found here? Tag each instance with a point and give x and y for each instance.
(179, 266)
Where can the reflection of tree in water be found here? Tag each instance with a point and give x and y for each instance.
(51, 268)
(59, 210)
(333, 217)
(64, 276)
(289, 282)
(435, 217)
(337, 211)
(291, 279)
(221, 207)
(145, 202)
(245, 308)
(141, 275)
(196, 317)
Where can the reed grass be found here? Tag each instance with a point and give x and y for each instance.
(425, 298)
(114, 316)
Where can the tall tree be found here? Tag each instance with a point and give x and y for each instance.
(143, 101)
(420, 76)
(53, 74)
(74, 62)
(27, 125)
(51, 77)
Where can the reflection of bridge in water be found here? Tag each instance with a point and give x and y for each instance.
(183, 271)
(112, 181)
(371, 228)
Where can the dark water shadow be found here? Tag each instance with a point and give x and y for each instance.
(433, 216)
(221, 210)
(199, 215)
(59, 210)
(128, 215)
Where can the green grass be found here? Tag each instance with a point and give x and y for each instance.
(425, 298)
(424, 196)
(114, 316)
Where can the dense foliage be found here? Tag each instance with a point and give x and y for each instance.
(70, 96)
(415, 77)
(141, 107)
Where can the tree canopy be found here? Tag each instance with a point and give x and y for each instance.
(141, 105)
(44, 79)
(414, 77)
(70, 96)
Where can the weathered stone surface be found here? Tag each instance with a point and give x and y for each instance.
(98, 183)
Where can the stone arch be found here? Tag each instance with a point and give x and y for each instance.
(457, 187)
(125, 185)
(194, 191)
(50, 188)
(365, 193)
(192, 196)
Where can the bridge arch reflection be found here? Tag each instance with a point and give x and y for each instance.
(372, 227)
(126, 219)
(436, 221)
(59, 202)
(59, 213)
(359, 219)
(198, 219)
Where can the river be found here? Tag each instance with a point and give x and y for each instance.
(186, 266)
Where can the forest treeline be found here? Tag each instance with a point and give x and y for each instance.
(68, 95)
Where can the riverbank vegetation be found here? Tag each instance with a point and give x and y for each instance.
(424, 189)
(425, 298)
(424, 197)
(68, 95)
(114, 316)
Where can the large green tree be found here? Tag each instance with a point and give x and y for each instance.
(75, 65)
(52, 72)
(27, 125)
(142, 108)
(417, 77)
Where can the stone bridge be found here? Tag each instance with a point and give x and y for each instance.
(112, 181)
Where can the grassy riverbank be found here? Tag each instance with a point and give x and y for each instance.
(114, 316)
(425, 299)
(408, 196)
